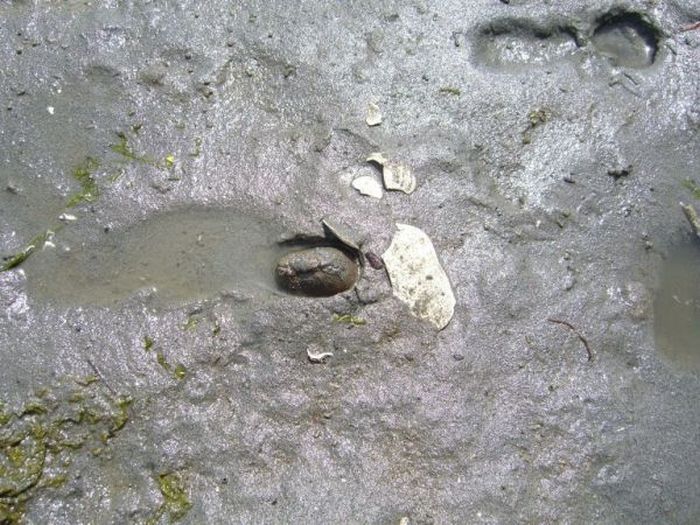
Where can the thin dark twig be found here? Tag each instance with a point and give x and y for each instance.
(690, 27)
(97, 372)
(574, 330)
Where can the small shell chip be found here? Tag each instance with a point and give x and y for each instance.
(374, 115)
(377, 157)
(369, 186)
(398, 177)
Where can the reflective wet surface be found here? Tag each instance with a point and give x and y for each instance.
(677, 307)
(176, 257)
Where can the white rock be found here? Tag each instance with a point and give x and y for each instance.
(374, 115)
(369, 186)
(417, 278)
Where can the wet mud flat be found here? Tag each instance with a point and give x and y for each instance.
(156, 160)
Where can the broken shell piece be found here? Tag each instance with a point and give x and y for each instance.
(417, 278)
(378, 157)
(67, 217)
(396, 176)
(317, 356)
(374, 115)
(369, 186)
(337, 232)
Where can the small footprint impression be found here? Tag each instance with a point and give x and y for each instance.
(627, 39)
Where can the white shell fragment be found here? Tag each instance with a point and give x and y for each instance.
(374, 115)
(396, 176)
(67, 217)
(369, 186)
(316, 356)
(377, 157)
(417, 277)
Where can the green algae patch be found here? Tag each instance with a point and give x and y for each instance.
(693, 187)
(176, 502)
(15, 260)
(349, 320)
(197, 148)
(124, 149)
(450, 90)
(160, 358)
(191, 324)
(178, 371)
(87, 380)
(89, 191)
(538, 116)
(535, 119)
(40, 440)
(148, 343)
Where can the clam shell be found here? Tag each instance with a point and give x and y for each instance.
(316, 272)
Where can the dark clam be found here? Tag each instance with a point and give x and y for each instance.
(316, 272)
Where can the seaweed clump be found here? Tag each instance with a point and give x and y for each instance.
(40, 441)
(176, 502)
(89, 191)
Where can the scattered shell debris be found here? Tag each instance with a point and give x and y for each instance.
(374, 115)
(369, 186)
(396, 176)
(317, 356)
(417, 278)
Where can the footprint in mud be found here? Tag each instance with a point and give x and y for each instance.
(510, 43)
(183, 255)
(626, 38)
(677, 308)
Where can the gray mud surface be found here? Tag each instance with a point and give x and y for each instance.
(151, 153)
